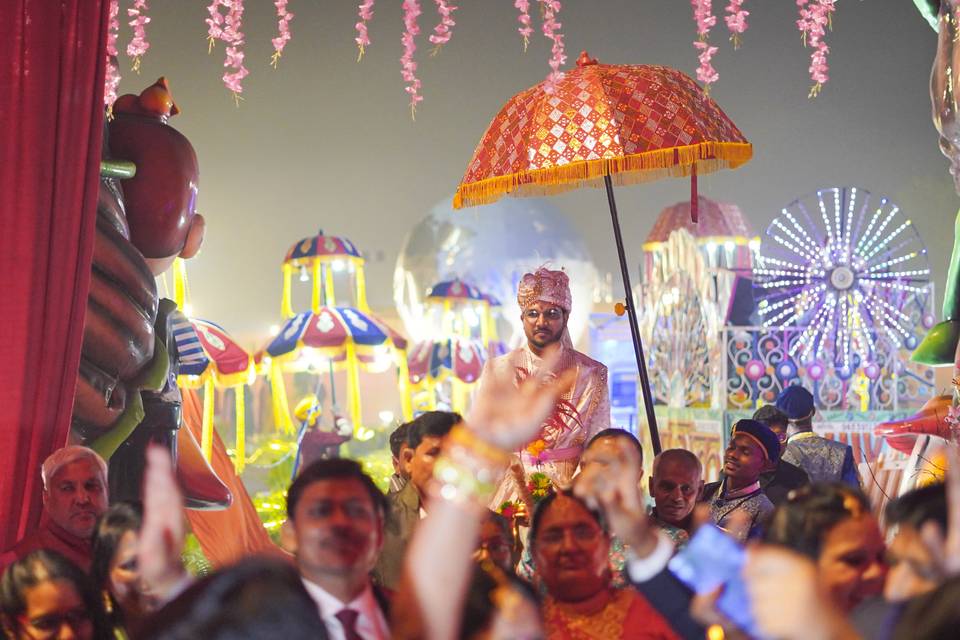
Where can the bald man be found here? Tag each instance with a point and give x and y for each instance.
(676, 485)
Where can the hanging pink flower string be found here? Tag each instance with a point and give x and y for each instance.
(703, 14)
(411, 10)
(551, 30)
(112, 77)
(366, 14)
(138, 44)
(233, 37)
(214, 23)
(283, 31)
(525, 29)
(444, 29)
(736, 20)
(815, 18)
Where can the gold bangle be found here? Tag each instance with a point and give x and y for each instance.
(468, 439)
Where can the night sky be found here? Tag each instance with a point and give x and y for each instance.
(323, 141)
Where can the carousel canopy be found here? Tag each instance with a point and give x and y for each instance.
(322, 247)
(456, 290)
(330, 329)
(719, 221)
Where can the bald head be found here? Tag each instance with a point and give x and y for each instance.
(676, 485)
(680, 458)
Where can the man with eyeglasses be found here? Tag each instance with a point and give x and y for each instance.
(584, 407)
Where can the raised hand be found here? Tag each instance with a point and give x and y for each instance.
(613, 489)
(508, 416)
(162, 534)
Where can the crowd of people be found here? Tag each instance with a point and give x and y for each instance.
(470, 541)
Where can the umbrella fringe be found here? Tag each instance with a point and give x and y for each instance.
(709, 156)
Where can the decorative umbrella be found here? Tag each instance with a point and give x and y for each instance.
(319, 257)
(473, 303)
(459, 360)
(343, 335)
(604, 124)
(435, 360)
(209, 357)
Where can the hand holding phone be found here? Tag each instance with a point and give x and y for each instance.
(712, 560)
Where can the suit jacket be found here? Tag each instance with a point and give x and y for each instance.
(824, 460)
(671, 598)
(401, 522)
(778, 484)
(756, 504)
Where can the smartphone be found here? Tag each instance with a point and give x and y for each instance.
(713, 559)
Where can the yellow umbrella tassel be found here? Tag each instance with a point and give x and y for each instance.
(286, 303)
(240, 455)
(353, 386)
(406, 404)
(278, 393)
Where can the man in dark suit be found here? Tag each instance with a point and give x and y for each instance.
(334, 528)
(824, 460)
(425, 436)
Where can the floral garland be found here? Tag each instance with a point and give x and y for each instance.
(736, 21)
(112, 76)
(525, 29)
(551, 30)
(233, 37)
(283, 31)
(138, 43)
(444, 29)
(366, 14)
(815, 18)
(411, 11)
(703, 15)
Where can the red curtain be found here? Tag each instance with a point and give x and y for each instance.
(51, 119)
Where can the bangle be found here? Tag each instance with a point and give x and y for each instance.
(462, 436)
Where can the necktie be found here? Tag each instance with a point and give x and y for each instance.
(348, 618)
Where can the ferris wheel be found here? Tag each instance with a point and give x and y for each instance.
(840, 265)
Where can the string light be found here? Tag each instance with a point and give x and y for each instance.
(840, 274)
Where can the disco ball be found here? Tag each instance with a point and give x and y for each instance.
(491, 247)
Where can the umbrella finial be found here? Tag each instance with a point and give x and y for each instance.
(585, 60)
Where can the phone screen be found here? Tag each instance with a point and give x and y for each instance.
(713, 559)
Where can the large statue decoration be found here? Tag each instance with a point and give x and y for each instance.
(126, 391)
(939, 418)
(583, 409)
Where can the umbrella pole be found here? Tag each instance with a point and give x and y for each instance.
(632, 320)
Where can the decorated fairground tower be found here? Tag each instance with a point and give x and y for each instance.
(459, 334)
(691, 275)
(337, 334)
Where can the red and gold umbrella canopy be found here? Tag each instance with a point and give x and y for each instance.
(604, 125)
(632, 122)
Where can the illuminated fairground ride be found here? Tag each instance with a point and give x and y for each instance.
(443, 368)
(835, 297)
(843, 286)
(337, 334)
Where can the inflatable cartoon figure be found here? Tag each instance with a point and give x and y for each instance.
(126, 391)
